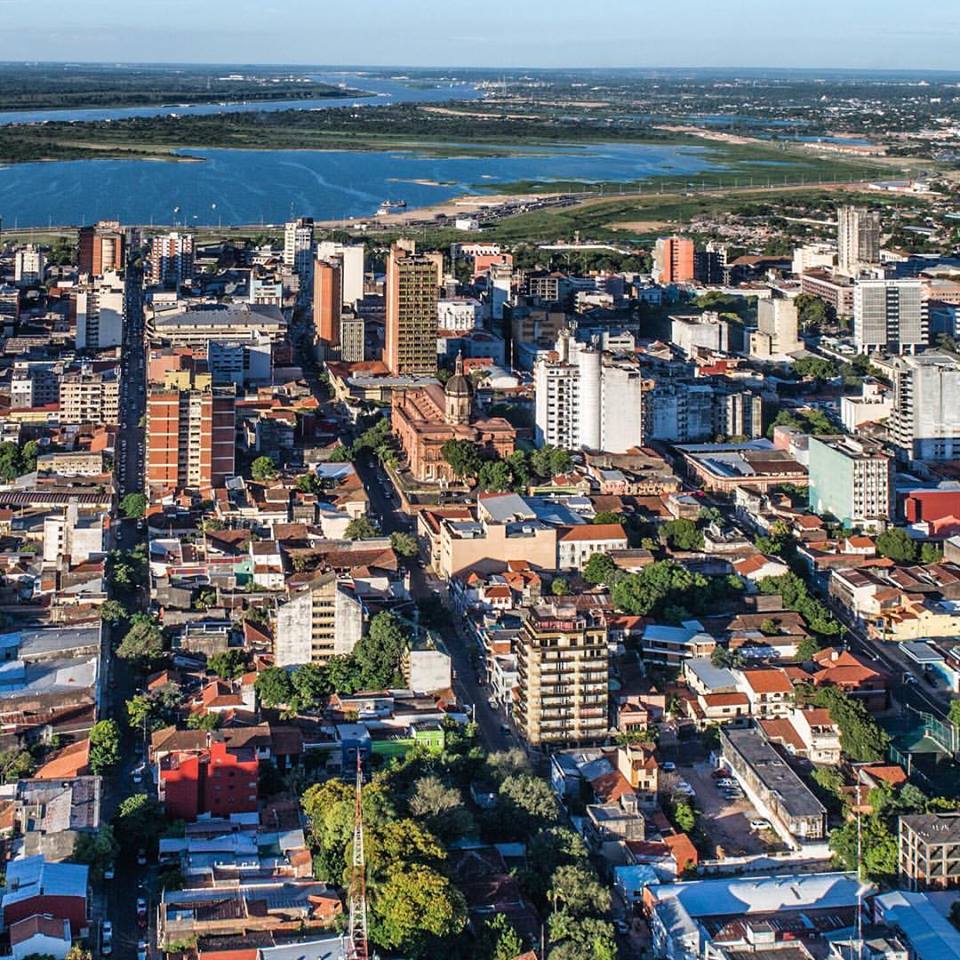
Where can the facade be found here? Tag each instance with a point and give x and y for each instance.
(298, 246)
(858, 240)
(929, 851)
(171, 259)
(874, 403)
(832, 289)
(459, 314)
(101, 248)
(705, 331)
(673, 260)
(352, 338)
(323, 620)
(562, 675)
(219, 780)
(100, 313)
(926, 406)
(191, 438)
(90, 398)
(853, 480)
(327, 302)
(29, 266)
(576, 545)
(197, 326)
(890, 315)
(411, 323)
(352, 257)
(777, 333)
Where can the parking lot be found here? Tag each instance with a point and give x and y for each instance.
(728, 821)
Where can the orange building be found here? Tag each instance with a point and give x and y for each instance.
(411, 324)
(425, 419)
(673, 260)
(101, 248)
(327, 301)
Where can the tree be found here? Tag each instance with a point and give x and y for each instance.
(954, 712)
(579, 890)
(550, 462)
(96, 850)
(134, 505)
(600, 569)
(829, 779)
(361, 528)
(16, 764)
(379, 653)
(861, 738)
(495, 476)
(311, 686)
(143, 713)
(501, 941)
(104, 746)
(340, 454)
(807, 647)
(608, 516)
(416, 903)
(203, 721)
(309, 483)
(463, 457)
(228, 664)
(683, 816)
(725, 658)
(113, 612)
(875, 851)
(793, 592)
(930, 553)
(528, 801)
(559, 587)
(138, 821)
(896, 544)
(682, 534)
(811, 312)
(343, 674)
(143, 642)
(274, 687)
(263, 469)
(440, 807)
(580, 939)
(404, 544)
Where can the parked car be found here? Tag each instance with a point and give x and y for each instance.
(141, 950)
(141, 860)
(758, 824)
(109, 872)
(668, 766)
(727, 782)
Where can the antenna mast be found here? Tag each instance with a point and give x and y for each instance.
(357, 948)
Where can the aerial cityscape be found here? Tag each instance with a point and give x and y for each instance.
(506, 511)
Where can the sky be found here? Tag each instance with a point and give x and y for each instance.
(864, 34)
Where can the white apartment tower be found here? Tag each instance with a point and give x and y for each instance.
(890, 315)
(925, 422)
(171, 258)
(29, 266)
(298, 247)
(100, 311)
(353, 259)
(858, 240)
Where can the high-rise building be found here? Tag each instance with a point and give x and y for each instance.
(323, 619)
(100, 312)
(101, 248)
(777, 333)
(191, 437)
(501, 288)
(352, 335)
(411, 324)
(298, 247)
(563, 675)
(925, 423)
(87, 397)
(29, 266)
(858, 240)
(673, 260)
(327, 302)
(890, 315)
(352, 257)
(851, 480)
(171, 259)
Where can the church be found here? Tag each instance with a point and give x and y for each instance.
(426, 418)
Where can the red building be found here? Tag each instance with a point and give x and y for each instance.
(217, 780)
(36, 886)
(673, 260)
(930, 506)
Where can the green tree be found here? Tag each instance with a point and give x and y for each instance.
(500, 941)
(861, 738)
(404, 544)
(228, 664)
(134, 505)
(608, 516)
(343, 674)
(578, 889)
(263, 469)
(600, 569)
(96, 850)
(463, 457)
(16, 764)
(143, 642)
(793, 591)
(683, 534)
(104, 746)
(138, 821)
(559, 587)
(529, 802)
(587, 938)
(896, 544)
(340, 454)
(440, 807)
(682, 814)
(361, 528)
(875, 852)
(954, 712)
(113, 612)
(811, 312)
(379, 653)
(309, 483)
(311, 686)
(930, 553)
(203, 721)
(274, 687)
(495, 476)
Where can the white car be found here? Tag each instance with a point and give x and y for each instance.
(759, 824)
(668, 766)
(107, 930)
(683, 787)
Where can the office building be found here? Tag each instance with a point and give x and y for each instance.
(266, 291)
(562, 675)
(323, 619)
(352, 257)
(327, 303)
(352, 338)
(851, 480)
(889, 315)
(29, 266)
(101, 248)
(197, 326)
(458, 314)
(298, 247)
(501, 288)
(858, 240)
(411, 322)
(673, 260)
(925, 422)
(777, 333)
(191, 437)
(100, 313)
(9, 306)
(171, 259)
(929, 850)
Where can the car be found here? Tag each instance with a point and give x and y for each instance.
(138, 774)
(910, 679)
(505, 729)
(732, 794)
(141, 861)
(106, 948)
(107, 929)
(142, 950)
(492, 703)
(622, 926)
(668, 766)
(759, 824)
(142, 906)
(109, 872)
(727, 782)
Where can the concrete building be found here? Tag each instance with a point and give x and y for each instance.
(576, 545)
(352, 257)
(777, 333)
(813, 256)
(459, 314)
(196, 326)
(563, 675)
(101, 248)
(323, 619)
(858, 240)
(929, 850)
(298, 249)
(926, 406)
(852, 480)
(266, 291)
(29, 266)
(171, 259)
(832, 289)
(100, 313)
(501, 288)
(890, 315)
(705, 331)
(673, 260)
(874, 403)
(327, 304)
(411, 322)
(90, 397)
(230, 361)
(352, 338)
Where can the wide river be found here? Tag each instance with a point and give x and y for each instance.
(270, 186)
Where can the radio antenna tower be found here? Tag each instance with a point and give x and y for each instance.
(357, 948)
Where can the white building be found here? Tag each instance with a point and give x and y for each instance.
(926, 406)
(29, 266)
(353, 258)
(266, 291)
(100, 312)
(874, 403)
(777, 330)
(459, 314)
(889, 315)
(501, 288)
(706, 331)
(813, 256)
(576, 545)
(298, 249)
(858, 240)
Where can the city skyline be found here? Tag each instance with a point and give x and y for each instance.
(696, 34)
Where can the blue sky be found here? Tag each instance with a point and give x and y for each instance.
(548, 33)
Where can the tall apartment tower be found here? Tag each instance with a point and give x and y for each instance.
(101, 248)
(890, 315)
(852, 480)
(411, 327)
(298, 247)
(327, 302)
(171, 259)
(858, 240)
(673, 260)
(191, 438)
(777, 331)
(352, 338)
(563, 675)
(101, 306)
(352, 257)
(925, 423)
(29, 266)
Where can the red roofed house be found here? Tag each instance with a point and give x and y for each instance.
(769, 692)
(853, 675)
(218, 780)
(576, 545)
(757, 567)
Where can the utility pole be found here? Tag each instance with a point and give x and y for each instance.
(357, 947)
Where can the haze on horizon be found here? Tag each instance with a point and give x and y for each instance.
(825, 34)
